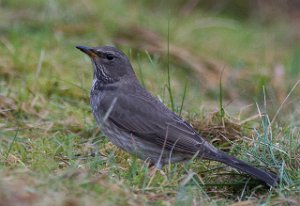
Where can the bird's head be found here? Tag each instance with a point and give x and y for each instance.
(109, 63)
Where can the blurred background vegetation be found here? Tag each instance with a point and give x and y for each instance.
(253, 46)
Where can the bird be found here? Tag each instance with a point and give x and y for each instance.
(140, 124)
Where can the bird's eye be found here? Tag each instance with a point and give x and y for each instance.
(110, 56)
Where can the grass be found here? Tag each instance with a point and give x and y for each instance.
(51, 151)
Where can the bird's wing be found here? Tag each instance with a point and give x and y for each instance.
(146, 117)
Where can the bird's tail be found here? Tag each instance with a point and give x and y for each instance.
(268, 178)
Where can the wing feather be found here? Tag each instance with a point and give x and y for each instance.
(146, 117)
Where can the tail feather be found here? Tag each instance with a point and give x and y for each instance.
(260, 174)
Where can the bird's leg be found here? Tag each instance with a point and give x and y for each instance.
(152, 171)
(153, 168)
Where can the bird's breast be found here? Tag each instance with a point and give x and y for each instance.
(98, 99)
(95, 102)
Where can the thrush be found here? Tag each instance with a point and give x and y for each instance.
(140, 124)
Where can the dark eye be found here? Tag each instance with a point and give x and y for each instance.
(110, 56)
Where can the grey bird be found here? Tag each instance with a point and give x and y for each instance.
(140, 124)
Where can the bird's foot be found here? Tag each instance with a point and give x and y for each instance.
(153, 169)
